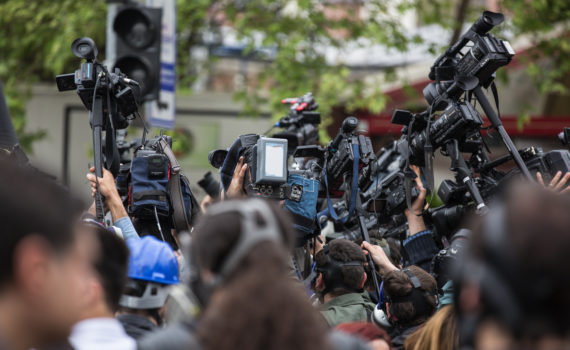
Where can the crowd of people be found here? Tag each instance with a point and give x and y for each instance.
(69, 282)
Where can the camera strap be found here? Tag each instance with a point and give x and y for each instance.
(408, 172)
(179, 216)
(428, 154)
(496, 97)
(354, 190)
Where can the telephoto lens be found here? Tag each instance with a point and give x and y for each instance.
(210, 185)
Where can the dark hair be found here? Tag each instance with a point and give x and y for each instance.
(529, 256)
(111, 264)
(215, 236)
(33, 205)
(259, 306)
(395, 254)
(397, 284)
(439, 332)
(344, 251)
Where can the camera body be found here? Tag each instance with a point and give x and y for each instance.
(340, 156)
(210, 185)
(301, 124)
(93, 78)
(267, 166)
(459, 121)
(387, 185)
(443, 263)
(301, 128)
(486, 56)
(548, 164)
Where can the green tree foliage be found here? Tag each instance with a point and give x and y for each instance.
(36, 36)
(35, 44)
(298, 31)
(547, 22)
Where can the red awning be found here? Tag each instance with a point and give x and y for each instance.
(539, 126)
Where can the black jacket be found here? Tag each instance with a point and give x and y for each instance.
(136, 326)
(399, 335)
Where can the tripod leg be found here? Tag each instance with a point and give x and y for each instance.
(498, 125)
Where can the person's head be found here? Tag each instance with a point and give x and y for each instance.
(410, 296)
(439, 332)
(110, 270)
(153, 267)
(374, 336)
(241, 249)
(43, 263)
(217, 251)
(513, 290)
(340, 268)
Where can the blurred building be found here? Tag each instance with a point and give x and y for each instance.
(210, 118)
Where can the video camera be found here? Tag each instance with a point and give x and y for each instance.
(267, 167)
(346, 157)
(301, 124)
(457, 130)
(93, 80)
(110, 98)
(484, 57)
(387, 183)
(210, 185)
(459, 121)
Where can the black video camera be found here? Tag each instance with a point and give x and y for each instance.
(210, 185)
(301, 124)
(484, 57)
(336, 161)
(92, 78)
(110, 99)
(341, 155)
(459, 121)
(387, 184)
(443, 263)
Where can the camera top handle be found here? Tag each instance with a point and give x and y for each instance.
(482, 26)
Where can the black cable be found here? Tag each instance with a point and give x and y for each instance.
(158, 224)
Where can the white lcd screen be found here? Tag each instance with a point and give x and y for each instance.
(274, 153)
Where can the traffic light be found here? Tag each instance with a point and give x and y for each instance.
(138, 35)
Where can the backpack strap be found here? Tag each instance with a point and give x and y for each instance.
(177, 200)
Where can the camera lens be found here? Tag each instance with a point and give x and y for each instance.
(433, 90)
(84, 48)
(217, 157)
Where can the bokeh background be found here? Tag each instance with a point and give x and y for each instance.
(236, 60)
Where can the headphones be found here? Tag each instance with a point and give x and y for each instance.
(491, 274)
(417, 296)
(332, 272)
(251, 234)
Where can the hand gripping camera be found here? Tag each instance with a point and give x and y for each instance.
(267, 166)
